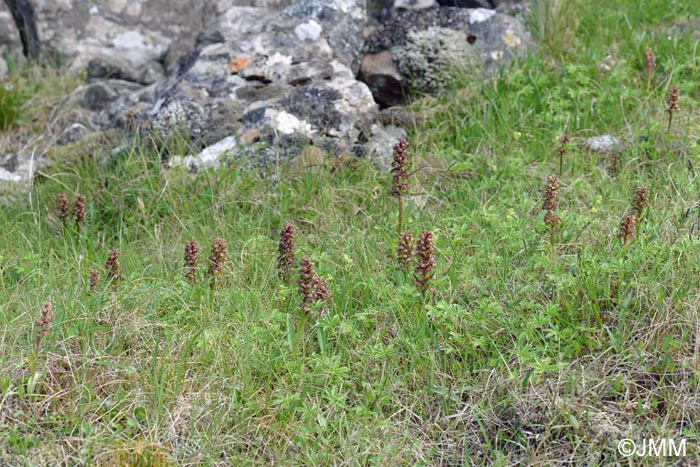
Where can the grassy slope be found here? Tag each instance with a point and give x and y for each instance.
(528, 353)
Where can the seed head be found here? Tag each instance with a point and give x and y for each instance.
(425, 258)
(311, 287)
(62, 208)
(399, 167)
(551, 193)
(79, 210)
(640, 201)
(674, 97)
(285, 259)
(217, 259)
(191, 256)
(114, 268)
(405, 251)
(94, 282)
(627, 229)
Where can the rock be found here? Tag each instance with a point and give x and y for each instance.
(73, 133)
(427, 46)
(10, 44)
(209, 158)
(605, 144)
(414, 4)
(275, 78)
(383, 78)
(380, 147)
(469, 3)
(16, 175)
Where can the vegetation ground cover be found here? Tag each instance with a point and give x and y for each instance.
(534, 347)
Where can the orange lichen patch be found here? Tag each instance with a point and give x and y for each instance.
(511, 39)
(237, 64)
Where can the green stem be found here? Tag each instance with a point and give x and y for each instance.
(400, 227)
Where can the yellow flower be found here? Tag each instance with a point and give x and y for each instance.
(347, 259)
(511, 214)
(598, 200)
(517, 135)
(594, 210)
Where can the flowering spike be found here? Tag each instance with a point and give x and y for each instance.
(640, 201)
(311, 287)
(425, 258)
(285, 259)
(191, 256)
(217, 260)
(79, 210)
(674, 97)
(62, 208)
(44, 325)
(405, 250)
(94, 282)
(627, 229)
(114, 267)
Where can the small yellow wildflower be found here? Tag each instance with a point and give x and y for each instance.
(347, 259)
(511, 214)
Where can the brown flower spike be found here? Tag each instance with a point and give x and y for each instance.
(627, 229)
(674, 97)
(44, 325)
(217, 259)
(551, 193)
(650, 64)
(79, 210)
(311, 287)
(563, 149)
(62, 208)
(405, 251)
(285, 259)
(425, 258)
(94, 282)
(399, 167)
(191, 256)
(640, 202)
(114, 268)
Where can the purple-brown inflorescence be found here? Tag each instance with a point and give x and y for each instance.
(400, 167)
(191, 256)
(113, 267)
(62, 208)
(627, 227)
(311, 287)
(94, 282)
(640, 202)
(217, 259)
(674, 97)
(44, 325)
(551, 193)
(79, 210)
(425, 259)
(650, 64)
(405, 251)
(285, 259)
(563, 149)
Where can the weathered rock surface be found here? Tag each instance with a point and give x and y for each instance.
(262, 79)
(10, 44)
(425, 46)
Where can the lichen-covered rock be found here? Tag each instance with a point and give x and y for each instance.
(16, 175)
(273, 78)
(427, 45)
(10, 44)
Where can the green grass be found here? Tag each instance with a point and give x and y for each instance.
(528, 353)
